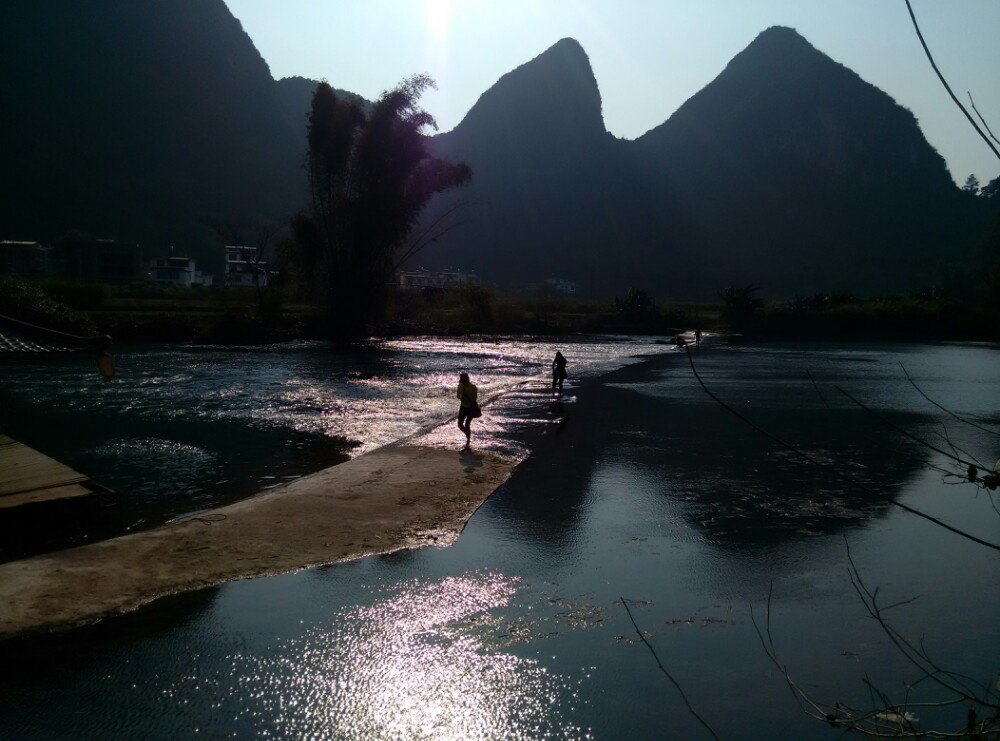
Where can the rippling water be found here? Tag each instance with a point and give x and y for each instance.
(186, 428)
(650, 492)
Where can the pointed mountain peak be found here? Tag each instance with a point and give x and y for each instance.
(778, 50)
(567, 46)
(781, 35)
(565, 62)
(555, 92)
(781, 98)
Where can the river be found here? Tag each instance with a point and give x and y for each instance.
(637, 486)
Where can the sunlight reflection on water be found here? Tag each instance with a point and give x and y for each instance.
(402, 667)
(374, 397)
(245, 414)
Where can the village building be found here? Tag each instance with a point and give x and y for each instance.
(562, 285)
(417, 280)
(25, 258)
(243, 268)
(178, 271)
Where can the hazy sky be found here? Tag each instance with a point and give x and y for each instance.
(649, 56)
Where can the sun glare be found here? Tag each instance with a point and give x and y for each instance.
(438, 15)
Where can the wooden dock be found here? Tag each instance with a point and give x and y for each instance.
(28, 477)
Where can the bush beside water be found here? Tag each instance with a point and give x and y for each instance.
(140, 313)
(915, 315)
(29, 303)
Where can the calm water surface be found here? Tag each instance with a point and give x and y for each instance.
(645, 489)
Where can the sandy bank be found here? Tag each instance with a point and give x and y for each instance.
(395, 497)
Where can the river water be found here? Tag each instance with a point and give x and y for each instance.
(638, 486)
(185, 428)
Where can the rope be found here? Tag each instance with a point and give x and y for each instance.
(42, 336)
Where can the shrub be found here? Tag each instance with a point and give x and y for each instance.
(74, 294)
(27, 303)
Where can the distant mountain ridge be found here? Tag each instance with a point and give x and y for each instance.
(140, 120)
(787, 170)
(150, 120)
(542, 164)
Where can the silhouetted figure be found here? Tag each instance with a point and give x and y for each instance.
(558, 371)
(468, 409)
(697, 337)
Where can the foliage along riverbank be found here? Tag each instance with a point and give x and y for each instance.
(914, 316)
(154, 314)
(143, 313)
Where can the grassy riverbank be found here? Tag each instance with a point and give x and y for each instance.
(913, 316)
(141, 313)
(148, 313)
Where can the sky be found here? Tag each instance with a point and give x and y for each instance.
(648, 56)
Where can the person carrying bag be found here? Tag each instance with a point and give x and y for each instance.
(469, 409)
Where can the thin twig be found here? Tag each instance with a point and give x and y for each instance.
(665, 672)
(907, 433)
(944, 409)
(916, 656)
(945, 82)
(879, 721)
(832, 469)
(878, 442)
(818, 392)
(956, 449)
(981, 119)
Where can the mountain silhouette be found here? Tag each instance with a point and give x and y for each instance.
(795, 173)
(150, 121)
(787, 170)
(144, 121)
(546, 174)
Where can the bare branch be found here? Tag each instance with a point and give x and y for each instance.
(945, 82)
(916, 656)
(833, 470)
(667, 673)
(942, 408)
(433, 230)
(981, 119)
(885, 718)
(910, 435)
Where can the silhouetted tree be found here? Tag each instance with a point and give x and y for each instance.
(741, 302)
(971, 185)
(370, 178)
(637, 303)
(991, 189)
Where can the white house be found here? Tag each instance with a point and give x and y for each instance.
(239, 270)
(178, 271)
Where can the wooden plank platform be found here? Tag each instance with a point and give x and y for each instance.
(29, 477)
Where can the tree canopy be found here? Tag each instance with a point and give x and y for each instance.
(370, 178)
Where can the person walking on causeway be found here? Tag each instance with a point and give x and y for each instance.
(558, 371)
(468, 409)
